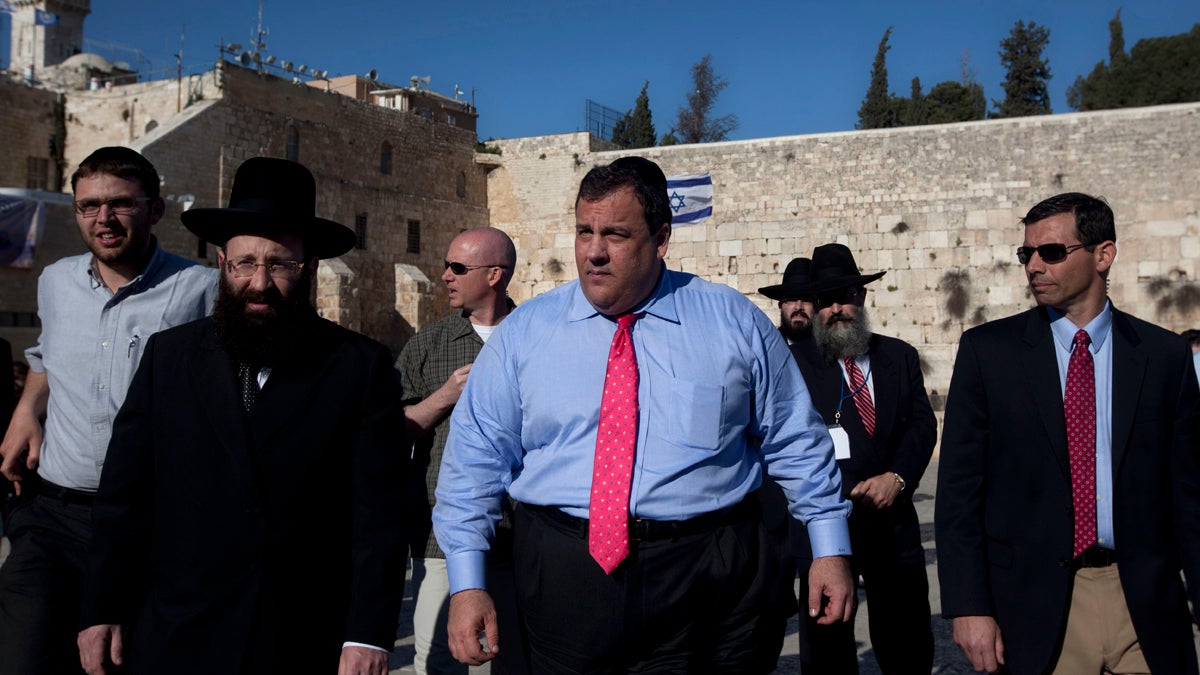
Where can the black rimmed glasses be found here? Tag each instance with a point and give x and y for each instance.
(1049, 253)
(460, 269)
(122, 206)
(279, 269)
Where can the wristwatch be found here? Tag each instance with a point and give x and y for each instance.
(899, 481)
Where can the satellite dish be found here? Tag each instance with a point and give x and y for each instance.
(233, 48)
(256, 57)
(302, 69)
(372, 74)
(270, 60)
(424, 80)
(324, 74)
(244, 59)
(286, 65)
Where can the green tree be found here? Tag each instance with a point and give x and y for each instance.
(1157, 70)
(636, 128)
(695, 122)
(877, 110)
(952, 101)
(1025, 88)
(918, 108)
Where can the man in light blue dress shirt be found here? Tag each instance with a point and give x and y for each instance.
(97, 311)
(719, 395)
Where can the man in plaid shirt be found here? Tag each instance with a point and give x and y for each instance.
(434, 366)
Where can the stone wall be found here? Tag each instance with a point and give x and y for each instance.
(28, 128)
(938, 207)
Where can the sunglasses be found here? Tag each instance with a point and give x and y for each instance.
(460, 269)
(1049, 253)
(842, 296)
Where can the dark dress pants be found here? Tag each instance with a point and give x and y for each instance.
(889, 556)
(694, 603)
(41, 586)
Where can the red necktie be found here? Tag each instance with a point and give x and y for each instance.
(1079, 408)
(862, 397)
(616, 441)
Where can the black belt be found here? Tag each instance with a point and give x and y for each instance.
(65, 495)
(1096, 556)
(641, 529)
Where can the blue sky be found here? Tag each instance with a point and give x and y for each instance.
(793, 67)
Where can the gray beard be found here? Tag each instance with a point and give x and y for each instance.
(846, 339)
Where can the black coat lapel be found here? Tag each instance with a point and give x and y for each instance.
(1041, 366)
(886, 379)
(1128, 374)
(217, 392)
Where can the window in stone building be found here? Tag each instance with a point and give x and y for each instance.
(293, 144)
(414, 236)
(385, 159)
(36, 173)
(360, 231)
(460, 187)
(451, 120)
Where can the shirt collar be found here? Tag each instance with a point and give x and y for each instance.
(1097, 329)
(661, 302)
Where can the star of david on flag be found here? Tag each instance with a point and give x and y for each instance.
(691, 198)
(43, 18)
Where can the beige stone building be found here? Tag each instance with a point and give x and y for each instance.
(937, 207)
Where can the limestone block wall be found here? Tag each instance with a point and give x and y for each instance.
(28, 128)
(937, 207)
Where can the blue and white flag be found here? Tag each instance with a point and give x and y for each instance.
(6, 7)
(691, 198)
(44, 18)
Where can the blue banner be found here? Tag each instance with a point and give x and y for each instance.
(44, 18)
(691, 198)
(21, 225)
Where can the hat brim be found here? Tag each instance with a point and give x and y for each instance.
(835, 283)
(322, 238)
(783, 291)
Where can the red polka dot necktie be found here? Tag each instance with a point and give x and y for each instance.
(616, 441)
(862, 396)
(1079, 408)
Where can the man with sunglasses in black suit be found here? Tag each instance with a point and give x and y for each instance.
(1069, 479)
(433, 366)
(870, 391)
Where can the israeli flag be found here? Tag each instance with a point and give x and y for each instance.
(691, 198)
(6, 7)
(43, 18)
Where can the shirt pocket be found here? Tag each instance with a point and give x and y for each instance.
(698, 412)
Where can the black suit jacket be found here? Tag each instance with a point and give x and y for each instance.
(1004, 517)
(238, 542)
(905, 430)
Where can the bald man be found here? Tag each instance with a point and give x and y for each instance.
(434, 367)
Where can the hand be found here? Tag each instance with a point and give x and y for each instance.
(23, 440)
(979, 638)
(877, 492)
(99, 645)
(453, 388)
(362, 661)
(829, 578)
(472, 611)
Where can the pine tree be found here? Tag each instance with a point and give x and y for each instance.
(636, 128)
(918, 107)
(695, 123)
(1025, 88)
(877, 111)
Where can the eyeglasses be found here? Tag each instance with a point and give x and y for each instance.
(279, 269)
(122, 206)
(842, 296)
(460, 269)
(1049, 253)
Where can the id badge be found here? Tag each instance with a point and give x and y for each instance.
(841, 442)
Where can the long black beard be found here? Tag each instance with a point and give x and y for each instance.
(846, 339)
(273, 338)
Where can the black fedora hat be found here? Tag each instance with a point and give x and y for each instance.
(795, 277)
(833, 268)
(270, 197)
